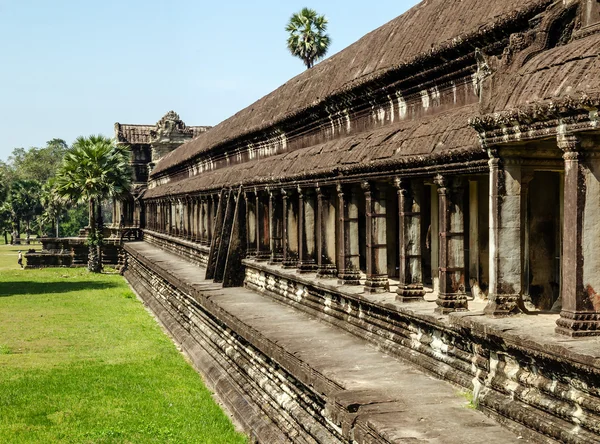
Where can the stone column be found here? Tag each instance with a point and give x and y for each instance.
(506, 237)
(580, 314)
(452, 295)
(410, 199)
(210, 205)
(290, 230)
(180, 226)
(306, 231)
(188, 218)
(262, 227)
(197, 221)
(377, 277)
(203, 220)
(348, 247)
(325, 235)
(275, 228)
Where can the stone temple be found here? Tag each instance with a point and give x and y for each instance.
(415, 216)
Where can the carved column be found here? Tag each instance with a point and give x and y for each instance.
(204, 220)
(306, 231)
(180, 225)
(198, 225)
(325, 235)
(188, 217)
(580, 314)
(452, 295)
(348, 247)
(276, 229)
(262, 227)
(290, 233)
(211, 206)
(410, 198)
(506, 237)
(377, 277)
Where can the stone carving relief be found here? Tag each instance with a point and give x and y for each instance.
(169, 133)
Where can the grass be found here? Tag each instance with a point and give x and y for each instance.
(81, 361)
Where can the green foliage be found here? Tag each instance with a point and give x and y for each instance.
(75, 218)
(82, 361)
(24, 202)
(308, 39)
(94, 169)
(38, 164)
(24, 168)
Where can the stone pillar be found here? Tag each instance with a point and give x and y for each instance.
(410, 199)
(197, 226)
(377, 277)
(204, 221)
(452, 295)
(210, 205)
(181, 218)
(580, 313)
(306, 231)
(188, 218)
(290, 230)
(250, 224)
(275, 228)
(507, 199)
(325, 235)
(348, 247)
(262, 227)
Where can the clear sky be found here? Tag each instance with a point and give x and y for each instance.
(75, 67)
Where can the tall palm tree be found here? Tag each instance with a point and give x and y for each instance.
(94, 169)
(24, 200)
(54, 206)
(308, 39)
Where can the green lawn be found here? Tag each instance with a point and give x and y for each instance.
(81, 361)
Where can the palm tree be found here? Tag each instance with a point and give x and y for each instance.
(94, 169)
(54, 206)
(24, 201)
(308, 39)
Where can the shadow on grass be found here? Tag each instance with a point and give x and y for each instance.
(20, 288)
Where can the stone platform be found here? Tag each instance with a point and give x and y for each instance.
(313, 381)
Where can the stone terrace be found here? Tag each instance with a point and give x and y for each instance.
(365, 391)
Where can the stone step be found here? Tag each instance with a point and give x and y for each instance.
(370, 396)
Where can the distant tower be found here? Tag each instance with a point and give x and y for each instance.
(149, 144)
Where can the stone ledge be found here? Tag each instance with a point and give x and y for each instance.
(533, 333)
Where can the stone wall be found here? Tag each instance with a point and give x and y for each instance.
(550, 390)
(271, 404)
(191, 251)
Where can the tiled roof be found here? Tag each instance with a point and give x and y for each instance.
(430, 26)
(406, 141)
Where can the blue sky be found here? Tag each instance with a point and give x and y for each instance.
(73, 68)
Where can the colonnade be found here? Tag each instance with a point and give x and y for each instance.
(191, 217)
(445, 231)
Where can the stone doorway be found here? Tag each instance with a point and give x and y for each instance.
(543, 242)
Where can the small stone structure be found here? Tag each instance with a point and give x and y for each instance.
(148, 144)
(433, 189)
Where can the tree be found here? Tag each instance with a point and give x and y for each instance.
(94, 169)
(308, 39)
(24, 202)
(5, 221)
(38, 163)
(54, 206)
